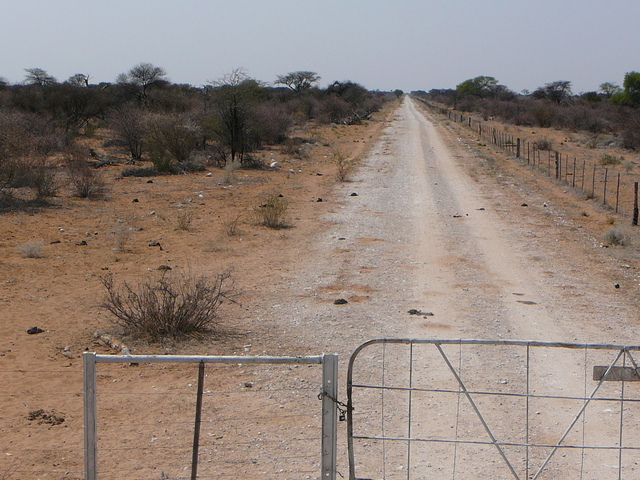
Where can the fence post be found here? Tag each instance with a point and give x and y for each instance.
(90, 444)
(329, 416)
(635, 203)
(604, 195)
(196, 428)
(618, 193)
(518, 148)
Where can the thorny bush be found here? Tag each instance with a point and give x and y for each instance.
(173, 306)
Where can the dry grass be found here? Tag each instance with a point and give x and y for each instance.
(183, 222)
(271, 213)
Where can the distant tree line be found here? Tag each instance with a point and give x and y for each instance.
(153, 119)
(613, 109)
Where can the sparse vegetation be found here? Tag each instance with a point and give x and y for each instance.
(173, 306)
(183, 221)
(86, 182)
(271, 213)
(607, 159)
(543, 144)
(122, 237)
(231, 226)
(344, 166)
(31, 249)
(615, 236)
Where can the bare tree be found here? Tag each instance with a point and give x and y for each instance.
(141, 77)
(38, 76)
(298, 81)
(230, 124)
(128, 124)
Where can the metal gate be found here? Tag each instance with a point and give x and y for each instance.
(470, 409)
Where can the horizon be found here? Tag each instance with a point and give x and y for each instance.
(382, 46)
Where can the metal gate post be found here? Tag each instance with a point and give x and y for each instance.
(329, 416)
(90, 447)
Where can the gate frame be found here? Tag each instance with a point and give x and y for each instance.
(440, 341)
(329, 395)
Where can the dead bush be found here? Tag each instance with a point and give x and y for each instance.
(543, 144)
(272, 122)
(183, 221)
(173, 306)
(615, 236)
(31, 250)
(86, 182)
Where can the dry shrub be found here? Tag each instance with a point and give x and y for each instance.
(86, 182)
(543, 144)
(607, 159)
(121, 239)
(344, 165)
(296, 148)
(184, 220)
(615, 236)
(272, 122)
(271, 213)
(31, 250)
(173, 306)
(231, 226)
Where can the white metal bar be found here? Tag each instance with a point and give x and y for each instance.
(90, 443)
(329, 416)
(206, 359)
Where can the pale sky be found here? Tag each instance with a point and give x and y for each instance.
(381, 44)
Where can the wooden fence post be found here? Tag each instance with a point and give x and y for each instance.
(618, 193)
(635, 203)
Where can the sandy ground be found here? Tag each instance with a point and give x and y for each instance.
(431, 221)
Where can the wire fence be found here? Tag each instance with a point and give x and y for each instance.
(608, 181)
(41, 430)
(256, 421)
(462, 409)
(180, 420)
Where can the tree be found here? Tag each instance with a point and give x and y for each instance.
(38, 76)
(482, 86)
(231, 123)
(79, 80)
(74, 106)
(141, 77)
(558, 91)
(632, 88)
(298, 81)
(608, 89)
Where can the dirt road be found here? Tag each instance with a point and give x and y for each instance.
(482, 250)
(435, 229)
